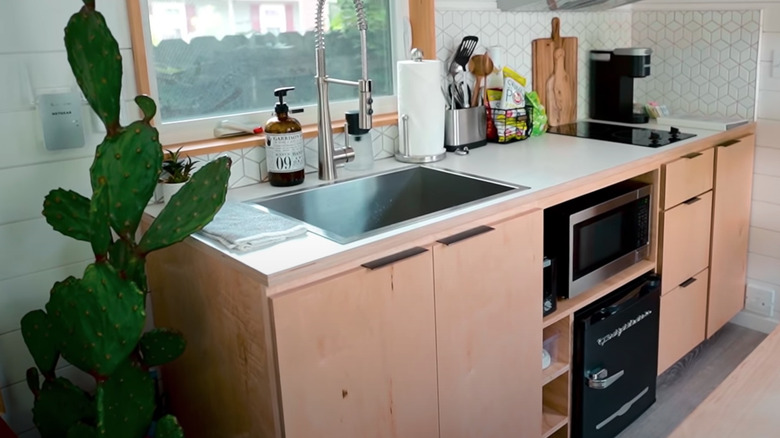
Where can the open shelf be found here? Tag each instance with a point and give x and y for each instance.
(567, 307)
(552, 421)
(555, 405)
(556, 340)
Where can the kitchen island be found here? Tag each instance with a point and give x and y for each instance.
(313, 338)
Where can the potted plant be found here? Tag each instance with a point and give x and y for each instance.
(96, 322)
(175, 173)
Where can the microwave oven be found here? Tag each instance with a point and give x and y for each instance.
(597, 235)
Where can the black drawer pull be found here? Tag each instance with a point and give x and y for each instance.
(692, 201)
(397, 257)
(692, 155)
(455, 238)
(726, 144)
(688, 282)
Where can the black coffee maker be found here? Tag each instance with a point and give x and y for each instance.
(612, 76)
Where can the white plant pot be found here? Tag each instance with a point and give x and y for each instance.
(170, 189)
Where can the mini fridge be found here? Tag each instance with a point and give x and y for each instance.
(615, 359)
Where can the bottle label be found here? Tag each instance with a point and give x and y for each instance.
(284, 152)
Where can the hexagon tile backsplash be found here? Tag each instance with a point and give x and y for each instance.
(514, 32)
(704, 62)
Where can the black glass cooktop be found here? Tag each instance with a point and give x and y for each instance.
(652, 138)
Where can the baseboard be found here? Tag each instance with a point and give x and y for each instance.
(756, 322)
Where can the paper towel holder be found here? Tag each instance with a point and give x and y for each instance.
(404, 155)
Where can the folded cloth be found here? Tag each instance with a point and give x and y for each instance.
(242, 227)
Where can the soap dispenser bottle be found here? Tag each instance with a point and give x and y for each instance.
(284, 153)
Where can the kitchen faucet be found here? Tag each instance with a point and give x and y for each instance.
(328, 156)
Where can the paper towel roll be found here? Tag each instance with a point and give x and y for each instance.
(421, 100)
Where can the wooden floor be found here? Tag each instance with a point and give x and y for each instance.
(688, 382)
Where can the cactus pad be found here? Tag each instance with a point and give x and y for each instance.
(161, 346)
(68, 212)
(191, 208)
(41, 340)
(127, 263)
(60, 405)
(33, 380)
(100, 317)
(128, 402)
(130, 164)
(94, 57)
(81, 430)
(98, 221)
(168, 427)
(148, 107)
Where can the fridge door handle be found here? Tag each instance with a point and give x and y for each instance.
(601, 379)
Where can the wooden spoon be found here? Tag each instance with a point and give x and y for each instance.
(480, 66)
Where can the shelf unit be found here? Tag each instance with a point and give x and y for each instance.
(556, 339)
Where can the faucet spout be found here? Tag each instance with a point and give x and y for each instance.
(328, 156)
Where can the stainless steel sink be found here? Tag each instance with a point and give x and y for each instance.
(354, 209)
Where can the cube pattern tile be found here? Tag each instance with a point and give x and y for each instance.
(514, 32)
(704, 62)
(249, 165)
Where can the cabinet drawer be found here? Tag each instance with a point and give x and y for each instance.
(687, 177)
(686, 240)
(683, 320)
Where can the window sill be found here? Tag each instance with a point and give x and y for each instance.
(216, 145)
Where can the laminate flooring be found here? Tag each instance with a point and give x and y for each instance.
(688, 382)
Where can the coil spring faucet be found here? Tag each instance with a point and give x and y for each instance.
(328, 155)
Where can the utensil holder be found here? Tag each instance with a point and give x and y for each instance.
(465, 128)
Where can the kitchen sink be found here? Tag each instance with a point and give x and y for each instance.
(355, 209)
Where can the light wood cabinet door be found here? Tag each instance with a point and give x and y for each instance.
(357, 354)
(686, 240)
(488, 327)
(730, 228)
(687, 177)
(683, 320)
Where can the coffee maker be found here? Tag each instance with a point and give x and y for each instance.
(612, 76)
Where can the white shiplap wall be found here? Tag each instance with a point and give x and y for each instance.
(32, 255)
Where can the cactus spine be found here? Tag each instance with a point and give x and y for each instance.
(96, 322)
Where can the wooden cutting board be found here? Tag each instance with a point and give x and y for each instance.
(555, 75)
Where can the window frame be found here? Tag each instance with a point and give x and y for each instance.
(417, 18)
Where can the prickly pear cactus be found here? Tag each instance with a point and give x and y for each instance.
(168, 427)
(128, 403)
(161, 346)
(61, 404)
(96, 322)
(38, 333)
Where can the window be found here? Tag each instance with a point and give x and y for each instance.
(214, 59)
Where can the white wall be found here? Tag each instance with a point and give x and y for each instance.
(764, 250)
(32, 255)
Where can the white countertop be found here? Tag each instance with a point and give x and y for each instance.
(539, 163)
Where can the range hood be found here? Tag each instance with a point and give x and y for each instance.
(560, 5)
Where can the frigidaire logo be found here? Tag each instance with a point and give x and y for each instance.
(61, 113)
(619, 331)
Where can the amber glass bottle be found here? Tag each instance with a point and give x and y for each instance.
(284, 151)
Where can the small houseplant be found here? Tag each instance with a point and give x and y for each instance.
(96, 322)
(175, 172)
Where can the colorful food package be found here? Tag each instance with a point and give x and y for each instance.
(513, 95)
(539, 114)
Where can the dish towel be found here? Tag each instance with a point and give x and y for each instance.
(242, 227)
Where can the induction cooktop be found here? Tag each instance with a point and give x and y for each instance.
(652, 138)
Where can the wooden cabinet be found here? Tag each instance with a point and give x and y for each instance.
(730, 228)
(488, 327)
(683, 320)
(357, 353)
(686, 177)
(686, 240)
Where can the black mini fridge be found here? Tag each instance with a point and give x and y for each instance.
(615, 359)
